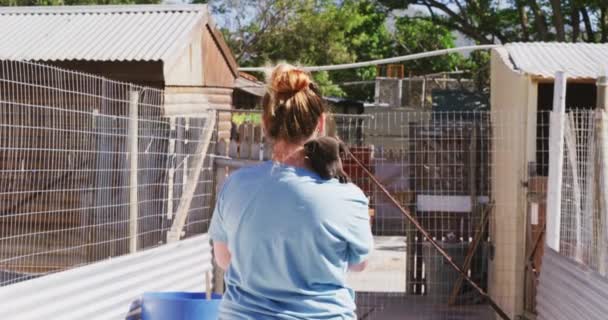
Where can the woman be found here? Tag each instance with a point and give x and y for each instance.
(285, 236)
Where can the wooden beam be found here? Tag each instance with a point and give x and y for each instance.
(171, 174)
(602, 171)
(556, 160)
(133, 139)
(536, 245)
(471, 251)
(602, 93)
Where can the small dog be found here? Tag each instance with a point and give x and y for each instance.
(325, 157)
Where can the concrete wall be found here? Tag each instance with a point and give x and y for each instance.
(510, 98)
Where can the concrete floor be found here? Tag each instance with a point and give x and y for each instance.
(408, 307)
(381, 290)
(386, 270)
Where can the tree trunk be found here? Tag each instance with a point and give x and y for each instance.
(539, 19)
(558, 20)
(588, 25)
(576, 22)
(523, 20)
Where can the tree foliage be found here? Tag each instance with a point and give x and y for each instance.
(415, 35)
(71, 2)
(495, 21)
(324, 32)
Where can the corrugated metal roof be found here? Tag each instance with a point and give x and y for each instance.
(255, 88)
(568, 290)
(544, 59)
(98, 33)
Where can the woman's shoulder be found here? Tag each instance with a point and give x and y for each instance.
(246, 175)
(250, 171)
(333, 189)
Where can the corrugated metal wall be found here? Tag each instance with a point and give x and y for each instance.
(105, 290)
(568, 290)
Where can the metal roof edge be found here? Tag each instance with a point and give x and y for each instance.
(91, 9)
(504, 55)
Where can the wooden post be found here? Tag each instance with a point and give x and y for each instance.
(556, 160)
(423, 96)
(409, 87)
(602, 93)
(377, 92)
(133, 157)
(171, 174)
(400, 93)
(602, 152)
(219, 178)
(184, 162)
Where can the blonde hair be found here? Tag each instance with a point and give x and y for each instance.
(292, 105)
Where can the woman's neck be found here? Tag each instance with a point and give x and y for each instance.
(289, 153)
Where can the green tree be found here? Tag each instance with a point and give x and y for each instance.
(71, 2)
(414, 35)
(324, 32)
(368, 39)
(491, 21)
(306, 32)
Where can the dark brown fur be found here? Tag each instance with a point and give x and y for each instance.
(325, 157)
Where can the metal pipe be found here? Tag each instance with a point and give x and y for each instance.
(415, 56)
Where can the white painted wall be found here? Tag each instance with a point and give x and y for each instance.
(510, 92)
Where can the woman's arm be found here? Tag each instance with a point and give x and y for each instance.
(360, 239)
(222, 254)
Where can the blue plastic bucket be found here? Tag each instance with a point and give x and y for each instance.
(179, 306)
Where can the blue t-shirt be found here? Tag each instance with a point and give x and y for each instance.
(291, 236)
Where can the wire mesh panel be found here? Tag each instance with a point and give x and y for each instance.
(440, 166)
(582, 231)
(90, 169)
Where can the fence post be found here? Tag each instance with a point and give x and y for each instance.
(400, 93)
(377, 91)
(602, 136)
(171, 173)
(423, 95)
(133, 157)
(556, 161)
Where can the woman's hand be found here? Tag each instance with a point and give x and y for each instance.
(358, 267)
(222, 254)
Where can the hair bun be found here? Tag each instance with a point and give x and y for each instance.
(287, 79)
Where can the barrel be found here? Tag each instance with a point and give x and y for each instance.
(180, 306)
